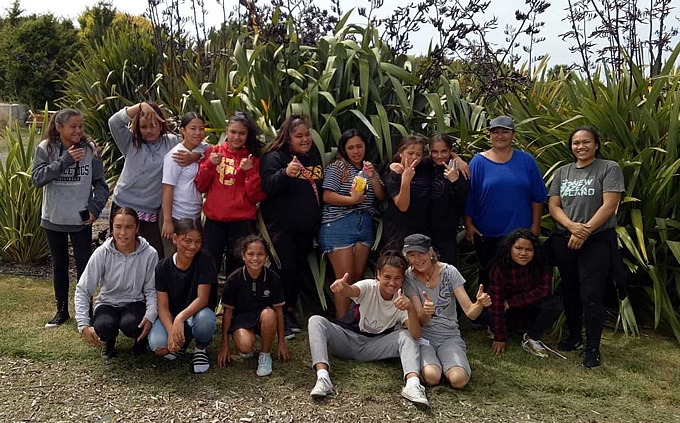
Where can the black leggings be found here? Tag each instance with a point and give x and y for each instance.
(58, 244)
(220, 237)
(292, 248)
(108, 320)
(584, 274)
(541, 316)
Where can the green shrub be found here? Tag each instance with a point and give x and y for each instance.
(21, 237)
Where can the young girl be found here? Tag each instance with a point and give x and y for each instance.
(186, 289)
(346, 232)
(144, 145)
(520, 284)
(292, 175)
(253, 304)
(69, 169)
(123, 270)
(448, 194)
(372, 330)
(181, 199)
(230, 176)
(407, 183)
(433, 288)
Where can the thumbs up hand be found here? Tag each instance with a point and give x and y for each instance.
(340, 285)
(401, 302)
(293, 167)
(247, 163)
(482, 297)
(428, 305)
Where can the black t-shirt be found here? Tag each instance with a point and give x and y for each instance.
(245, 294)
(415, 217)
(447, 200)
(182, 285)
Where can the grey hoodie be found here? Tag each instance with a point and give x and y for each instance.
(123, 280)
(68, 187)
(140, 184)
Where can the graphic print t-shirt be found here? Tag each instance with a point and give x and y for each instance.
(444, 322)
(581, 190)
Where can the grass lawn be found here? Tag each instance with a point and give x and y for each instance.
(51, 375)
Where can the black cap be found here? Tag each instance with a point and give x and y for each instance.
(417, 242)
(502, 122)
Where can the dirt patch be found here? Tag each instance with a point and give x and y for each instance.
(64, 391)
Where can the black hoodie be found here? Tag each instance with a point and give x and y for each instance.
(291, 203)
(447, 200)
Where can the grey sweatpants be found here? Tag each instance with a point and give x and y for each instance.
(343, 343)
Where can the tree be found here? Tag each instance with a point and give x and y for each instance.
(33, 55)
(95, 21)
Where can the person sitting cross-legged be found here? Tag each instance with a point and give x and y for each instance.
(520, 290)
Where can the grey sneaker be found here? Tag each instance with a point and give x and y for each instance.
(534, 348)
(264, 365)
(322, 389)
(415, 394)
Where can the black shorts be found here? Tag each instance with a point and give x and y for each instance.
(247, 320)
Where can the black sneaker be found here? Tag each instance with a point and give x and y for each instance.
(287, 329)
(293, 323)
(61, 317)
(571, 344)
(592, 359)
(140, 347)
(109, 350)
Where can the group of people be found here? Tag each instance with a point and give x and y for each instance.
(157, 273)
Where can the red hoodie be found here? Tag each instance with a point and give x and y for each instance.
(232, 194)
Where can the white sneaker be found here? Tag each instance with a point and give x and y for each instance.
(322, 389)
(415, 394)
(264, 365)
(535, 348)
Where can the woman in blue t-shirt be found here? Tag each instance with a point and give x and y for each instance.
(346, 232)
(506, 192)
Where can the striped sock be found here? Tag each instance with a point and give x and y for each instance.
(200, 360)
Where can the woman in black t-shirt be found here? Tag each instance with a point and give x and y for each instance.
(186, 292)
(253, 304)
(407, 183)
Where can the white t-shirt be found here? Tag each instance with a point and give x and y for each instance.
(376, 314)
(186, 200)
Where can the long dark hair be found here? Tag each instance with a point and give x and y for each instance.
(253, 143)
(503, 258)
(282, 141)
(244, 242)
(60, 118)
(137, 139)
(445, 138)
(188, 117)
(341, 154)
(187, 224)
(595, 135)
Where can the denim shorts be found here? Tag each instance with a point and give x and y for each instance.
(356, 227)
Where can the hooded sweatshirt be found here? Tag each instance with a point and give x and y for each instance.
(232, 194)
(291, 203)
(68, 186)
(123, 280)
(140, 184)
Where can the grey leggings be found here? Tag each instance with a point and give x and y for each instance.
(343, 343)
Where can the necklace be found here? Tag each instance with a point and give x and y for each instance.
(428, 278)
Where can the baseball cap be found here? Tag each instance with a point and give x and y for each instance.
(417, 242)
(502, 122)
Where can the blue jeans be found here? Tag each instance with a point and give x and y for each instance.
(355, 228)
(200, 326)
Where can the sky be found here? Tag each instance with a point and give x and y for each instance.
(504, 10)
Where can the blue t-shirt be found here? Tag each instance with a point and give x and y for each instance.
(501, 194)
